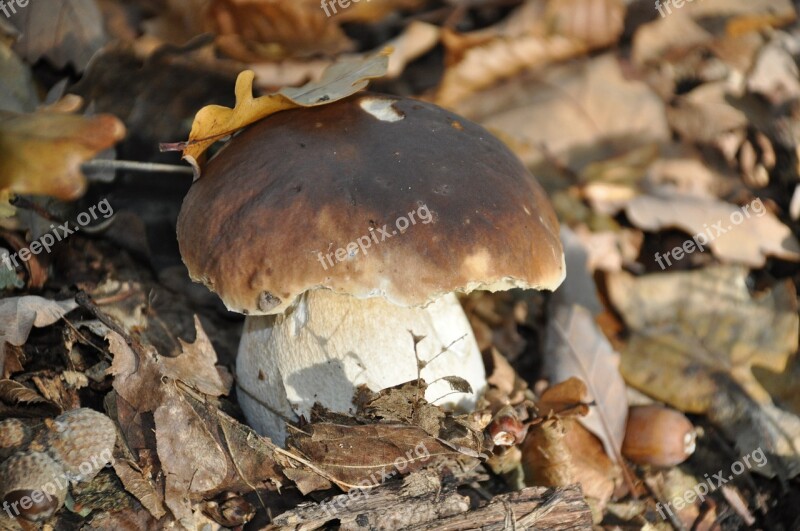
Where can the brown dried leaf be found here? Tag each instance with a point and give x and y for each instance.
(688, 27)
(560, 452)
(577, 348)
(63, 32)
(41, 153)
(19, 401)
(342, 79)
(687, 326)
(365, 455)
(694, 340)
(140, 486)
(191, 460)
(759, 234)
(19, 314)
(578, 113)
(564, 399)
(258, 30)
(196, 366)
(528, 38)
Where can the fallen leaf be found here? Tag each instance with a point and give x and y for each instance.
(17, 91)
(16, 400)
(559, 451)
(687, 326)
(63, 32)
(705, 114)
(689, 26)
(259, 30)
(577, 348)
(191, 460)
(41, 153)
(531, 36)
(196, 366)
(214, 122)
(775, 74)
(694, 340)
(353, 455)
(577, 113)
(758, 235)
(19, 314)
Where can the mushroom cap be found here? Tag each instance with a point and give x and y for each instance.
(264, 222)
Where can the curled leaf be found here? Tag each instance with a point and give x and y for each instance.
(340, 80)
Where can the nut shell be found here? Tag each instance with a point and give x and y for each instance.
(81, 440)
(658, 436)
(33, 485)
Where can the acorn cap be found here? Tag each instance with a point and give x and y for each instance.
(33, 485)
(81, 440)
(259, 224)
(14, 434)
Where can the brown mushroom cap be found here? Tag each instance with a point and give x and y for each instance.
(312, 180)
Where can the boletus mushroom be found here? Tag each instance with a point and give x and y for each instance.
(343, 229)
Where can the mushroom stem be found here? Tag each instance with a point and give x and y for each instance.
(327, 344)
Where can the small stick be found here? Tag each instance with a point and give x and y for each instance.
(133, 165)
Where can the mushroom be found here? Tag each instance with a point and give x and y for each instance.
(343, 229)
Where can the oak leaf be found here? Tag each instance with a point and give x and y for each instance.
(41, 153)
(340, 80)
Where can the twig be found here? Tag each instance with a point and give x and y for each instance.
(133, 165)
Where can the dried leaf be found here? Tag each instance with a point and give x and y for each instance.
(41, 153)
(758, 235)
(255, 30)
(365, 455)
(196, 366)
(140, 487)
(458, 384)
(529, 37)
(19, 314)
(578, 113)
(191, 459)
(687, 327)
(564, 399)
(577, 348)
(685, 28)
(213, 122)
(64, 32)
(560, 452)
(16, 400)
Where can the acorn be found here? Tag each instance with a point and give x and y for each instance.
(658, 436)
(14, 434)
(32, 486)
(81, 440)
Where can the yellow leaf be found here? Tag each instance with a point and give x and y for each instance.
(340, 80)
(41, 153)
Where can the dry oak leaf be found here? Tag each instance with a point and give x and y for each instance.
(340, 80)
(686, 328)
(745, 235)
(41, 153)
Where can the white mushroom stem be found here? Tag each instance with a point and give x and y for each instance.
(328, 344)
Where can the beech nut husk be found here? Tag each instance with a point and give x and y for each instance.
(658, 436)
